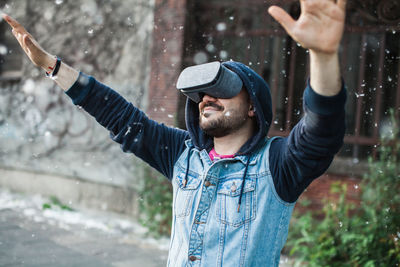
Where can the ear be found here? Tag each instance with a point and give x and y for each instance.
(252, 111)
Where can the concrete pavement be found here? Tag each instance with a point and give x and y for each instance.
(24, 242)
(30, 236)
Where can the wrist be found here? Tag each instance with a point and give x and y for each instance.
(54, 70)
(322, 56)
(325, 73)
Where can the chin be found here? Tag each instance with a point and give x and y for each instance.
(205, 121)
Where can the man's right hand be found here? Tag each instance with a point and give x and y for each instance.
(33, 50)
(66, 76)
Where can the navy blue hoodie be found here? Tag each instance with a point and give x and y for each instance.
(295, 161)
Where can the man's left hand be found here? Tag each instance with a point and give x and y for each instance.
(319, 27)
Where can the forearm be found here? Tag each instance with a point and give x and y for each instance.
(325, 73)
(158, 145)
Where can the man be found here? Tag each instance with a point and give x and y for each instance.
(234, 189)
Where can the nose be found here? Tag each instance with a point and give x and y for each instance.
(208, 98)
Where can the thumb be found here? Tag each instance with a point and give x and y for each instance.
(32, 47)
(28, 42)
(282, 17)
(34, 52)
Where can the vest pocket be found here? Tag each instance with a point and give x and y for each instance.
(185, 194)
(228, 193)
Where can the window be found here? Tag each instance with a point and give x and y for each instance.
(370, 57)
(10, 55)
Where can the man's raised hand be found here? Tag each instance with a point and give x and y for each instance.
(33, 50)
(319, 27)
(66, 75)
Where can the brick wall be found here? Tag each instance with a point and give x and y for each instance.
(319, 191)
(166, 62)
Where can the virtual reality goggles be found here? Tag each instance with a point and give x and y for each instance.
(213, 79)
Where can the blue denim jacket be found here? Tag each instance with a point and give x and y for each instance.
(208, 229)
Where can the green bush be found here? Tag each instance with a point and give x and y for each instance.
(367, 234)
(155, 203)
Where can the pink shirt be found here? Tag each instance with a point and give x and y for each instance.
(215, 156)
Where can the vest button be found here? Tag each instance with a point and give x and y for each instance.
(192, 258)
(233, 187)
(207, 183)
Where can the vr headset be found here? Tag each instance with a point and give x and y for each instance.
(213, 79)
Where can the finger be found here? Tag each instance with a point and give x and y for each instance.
(9, 20)
(342, 4)
(17, 36)
(12, 22)
(282, 17)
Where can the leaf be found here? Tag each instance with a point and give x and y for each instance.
(46, 206)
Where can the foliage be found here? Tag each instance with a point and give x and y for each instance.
(155, 203)
(55, 202)
(364, 235)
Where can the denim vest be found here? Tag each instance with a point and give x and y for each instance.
(207, 228)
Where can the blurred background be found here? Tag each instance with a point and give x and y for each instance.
(138, 47)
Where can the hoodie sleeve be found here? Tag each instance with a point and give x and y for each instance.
(295, 161)
(157, 144)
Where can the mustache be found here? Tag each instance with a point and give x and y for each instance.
(212, 104)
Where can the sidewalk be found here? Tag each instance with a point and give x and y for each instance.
(31, 236)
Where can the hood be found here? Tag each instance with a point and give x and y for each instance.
(260, 95)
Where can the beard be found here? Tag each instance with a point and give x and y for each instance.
(225, 122)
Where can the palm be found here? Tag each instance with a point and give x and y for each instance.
(319, 27)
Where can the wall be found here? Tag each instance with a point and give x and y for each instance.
(166, 61)
(41, 132)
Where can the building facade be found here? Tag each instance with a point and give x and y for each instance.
(141, 51)
(242, 30)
